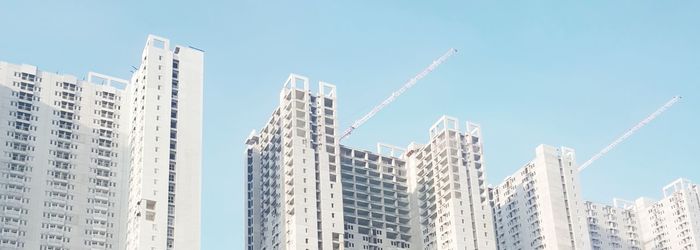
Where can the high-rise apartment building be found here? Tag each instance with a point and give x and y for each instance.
(539, 207)
(613, 227)
(670, 223)
(449, 195)
(165, 135)
(306, 191)
(102, 163)
(375, 199)
(674, 221)
(64, 160)
(294, 192)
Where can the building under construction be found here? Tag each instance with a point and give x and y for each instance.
(305, 190)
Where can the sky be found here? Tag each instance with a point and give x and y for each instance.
(564, 73)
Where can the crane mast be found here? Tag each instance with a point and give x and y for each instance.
(398, 92)
(630, 132)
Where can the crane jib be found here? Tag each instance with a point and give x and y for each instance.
(408, 84)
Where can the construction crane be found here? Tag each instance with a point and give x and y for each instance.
(630, 132)
(397, 93)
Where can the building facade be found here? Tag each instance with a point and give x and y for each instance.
(64, 160)
(375, 199)
(613, 227)
(165, 124)
(294, 191)
(540, 207)
(449, 195)
(103, 163)
(306, 191)
(672, 222)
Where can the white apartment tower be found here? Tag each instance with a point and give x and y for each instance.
(63, 161)
(305, 191)
(165, 125)
(294, 192)
(447, 185)
(674, 221)
(668, 224)
(375, 199)
(539, 207)
(102, 163)
(613, 227)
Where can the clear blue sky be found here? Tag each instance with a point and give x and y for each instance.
(530, 72)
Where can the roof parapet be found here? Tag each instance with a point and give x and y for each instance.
(100, 79)
(677, 185)
(444, 123)
(390, 150)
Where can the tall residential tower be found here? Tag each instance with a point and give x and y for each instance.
(674, 221)
(540, 206)
(449, 195)
(165, 136)
(294, 194)
(613, 226)
(670, 223)
(375, 199)
(64, 161)
(103, 163)
(306, 191)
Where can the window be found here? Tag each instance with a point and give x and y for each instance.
(24, 106)
(150, 205)
(150, 216)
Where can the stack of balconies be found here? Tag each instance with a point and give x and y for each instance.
(18, 163)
